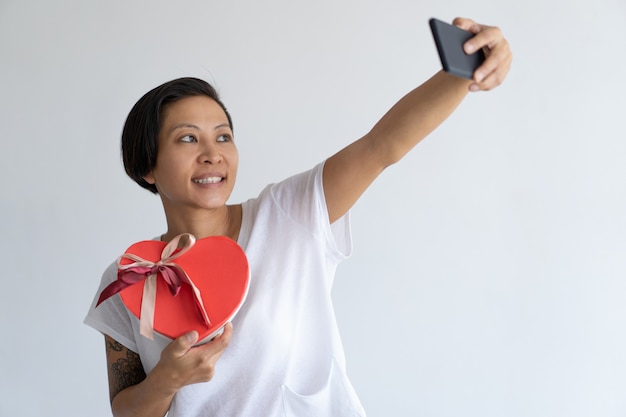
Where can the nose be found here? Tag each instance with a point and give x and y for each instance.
(210, 155)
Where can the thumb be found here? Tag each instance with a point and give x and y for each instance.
(183, 343)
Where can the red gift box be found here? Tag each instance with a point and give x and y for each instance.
(173, 290)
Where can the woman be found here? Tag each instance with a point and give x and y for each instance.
(282, 355)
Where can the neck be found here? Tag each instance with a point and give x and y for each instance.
(225, 221)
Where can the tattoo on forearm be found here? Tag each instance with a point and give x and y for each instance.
(125, 371)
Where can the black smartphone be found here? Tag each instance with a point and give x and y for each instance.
(449, 40)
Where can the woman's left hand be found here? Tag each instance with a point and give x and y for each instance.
(497, 52)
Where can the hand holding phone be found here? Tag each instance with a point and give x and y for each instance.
(449, 40)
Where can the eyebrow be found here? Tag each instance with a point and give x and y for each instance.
(192, 126)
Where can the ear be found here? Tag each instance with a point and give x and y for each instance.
(149, 178)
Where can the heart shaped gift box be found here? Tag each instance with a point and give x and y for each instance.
(200, 286)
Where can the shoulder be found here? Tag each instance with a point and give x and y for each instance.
(297, 190)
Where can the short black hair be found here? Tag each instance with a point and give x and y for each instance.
(140, 136)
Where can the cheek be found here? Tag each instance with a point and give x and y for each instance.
(233, 163)
(166, 170)
(234, 159)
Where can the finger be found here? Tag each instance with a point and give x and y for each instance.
(211, 352)
(491, 77)
(227, 334)
(223, 340)
(488, 37)
(182, 344)
(219, 342)
(492, 80)
(495, 68)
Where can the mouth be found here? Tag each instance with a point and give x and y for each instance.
(207, 180)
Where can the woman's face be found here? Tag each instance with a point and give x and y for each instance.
(197, 159)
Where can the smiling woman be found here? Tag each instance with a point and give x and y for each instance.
(142, 130)
(178, 142)
(196, 165)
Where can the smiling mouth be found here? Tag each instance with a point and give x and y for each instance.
(209, 180)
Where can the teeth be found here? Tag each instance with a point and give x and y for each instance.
(210, 180)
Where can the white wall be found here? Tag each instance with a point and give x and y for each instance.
(489, 270)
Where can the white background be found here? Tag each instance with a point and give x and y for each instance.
(489, 270)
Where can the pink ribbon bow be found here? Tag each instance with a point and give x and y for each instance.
(172, 273)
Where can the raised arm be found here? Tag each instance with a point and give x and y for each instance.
(348, 173)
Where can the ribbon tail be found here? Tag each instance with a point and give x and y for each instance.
(172, 277)
(183, 277)
(200, 304)
(112, 289)
(146, 318)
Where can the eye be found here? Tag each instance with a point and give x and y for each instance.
(224, 138)
(188, 139)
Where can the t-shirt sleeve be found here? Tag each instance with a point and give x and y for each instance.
(112, 317)
(301, 198)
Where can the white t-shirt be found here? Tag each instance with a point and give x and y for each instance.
(285, 358)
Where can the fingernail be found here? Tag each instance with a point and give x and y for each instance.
(469, 48)
(478, 76)
(474, 87)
